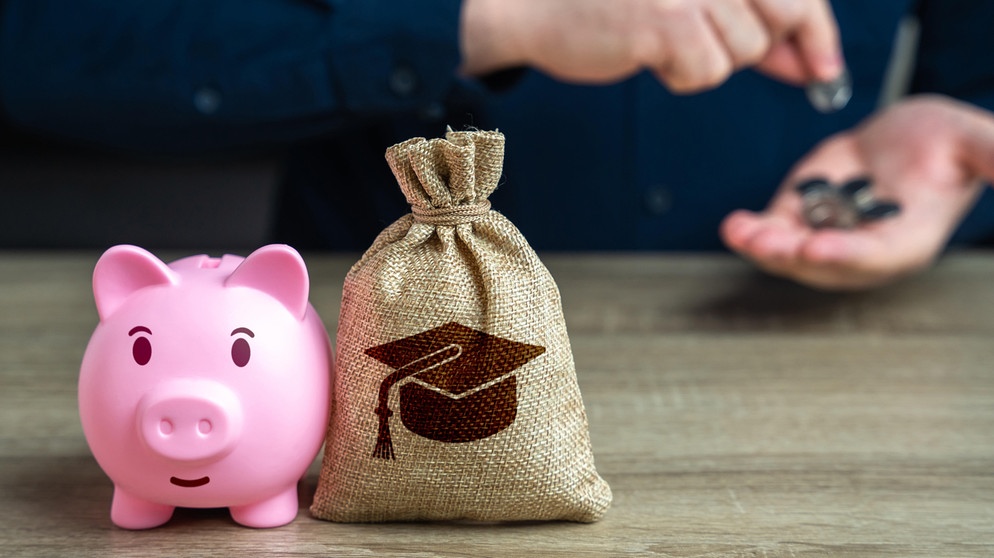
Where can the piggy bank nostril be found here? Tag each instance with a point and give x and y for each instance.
(165, 427)
(205, 427)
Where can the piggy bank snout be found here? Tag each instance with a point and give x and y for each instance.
(193, 420)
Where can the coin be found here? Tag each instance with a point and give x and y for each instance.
(846, 206)
(830, 96)
(826, 206)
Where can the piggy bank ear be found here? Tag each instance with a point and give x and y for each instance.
(277, 270)
(121, 271)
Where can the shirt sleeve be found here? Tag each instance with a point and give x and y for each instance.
(954, 53)
(179, 75)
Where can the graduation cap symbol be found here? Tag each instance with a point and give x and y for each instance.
(461, 386)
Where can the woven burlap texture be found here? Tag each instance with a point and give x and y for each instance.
(455, 260)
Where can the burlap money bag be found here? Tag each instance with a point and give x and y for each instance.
(456, 393)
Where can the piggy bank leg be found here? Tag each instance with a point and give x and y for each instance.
(278, 510)
(130, 512)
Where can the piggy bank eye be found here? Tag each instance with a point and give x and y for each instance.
(141, 350)
(240, 352)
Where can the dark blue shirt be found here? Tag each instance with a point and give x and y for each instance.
(627, 166)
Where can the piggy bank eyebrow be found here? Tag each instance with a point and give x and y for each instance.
(244, 330)
(139, 329)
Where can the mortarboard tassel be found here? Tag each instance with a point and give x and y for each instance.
(384, 446)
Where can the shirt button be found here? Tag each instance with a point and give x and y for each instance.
(207, 100)
(403, 81)
(657, 200)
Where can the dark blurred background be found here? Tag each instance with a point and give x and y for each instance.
(60, 195)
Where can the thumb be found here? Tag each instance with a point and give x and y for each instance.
(978, 145)
(783, 62)
(806, 44)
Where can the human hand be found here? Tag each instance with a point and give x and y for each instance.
(929, 153)
(690, 45)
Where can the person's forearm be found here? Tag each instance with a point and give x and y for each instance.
(485, 48)
(689, 46)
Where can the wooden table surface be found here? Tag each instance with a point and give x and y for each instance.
(732, 414)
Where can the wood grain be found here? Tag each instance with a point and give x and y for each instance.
(733, 415)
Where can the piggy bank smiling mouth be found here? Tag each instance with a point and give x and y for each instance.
(192, 483)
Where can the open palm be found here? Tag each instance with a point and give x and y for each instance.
(929, 153)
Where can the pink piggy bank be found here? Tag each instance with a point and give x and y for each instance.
(205, 384)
